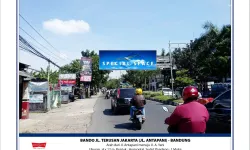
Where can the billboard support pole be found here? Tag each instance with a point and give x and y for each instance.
(60, 98)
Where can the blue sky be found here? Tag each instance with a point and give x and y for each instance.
(113, 24)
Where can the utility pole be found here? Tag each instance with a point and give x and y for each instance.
(48, 93)
(60, 95)
(171, 68)
(171, 64)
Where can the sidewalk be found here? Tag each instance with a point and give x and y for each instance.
(69, 118)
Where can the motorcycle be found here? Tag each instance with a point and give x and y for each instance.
(107, 96)
(171, 129)
(138, 119)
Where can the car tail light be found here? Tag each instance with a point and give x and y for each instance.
(118, 93)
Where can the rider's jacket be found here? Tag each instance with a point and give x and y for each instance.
(138, 101)
(190, 117)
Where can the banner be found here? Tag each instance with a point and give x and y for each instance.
(127, 60)
(67, 76)
(36, 98)
(125, 143)
(86, 74)
(86, 64)
(38, 86)
(85, 78)
(67, 82)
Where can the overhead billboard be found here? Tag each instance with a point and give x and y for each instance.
(86, 71)
(127, 60)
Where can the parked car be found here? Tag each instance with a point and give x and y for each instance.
(220, 114)
(167, 92)
(178, 92)
(121, 99)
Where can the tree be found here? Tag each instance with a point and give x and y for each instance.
(138, 77)
(182, 78)
(163, 52)
(43, 74)
(207, 56)
(98, 76)
(73, 67)
(112, 83)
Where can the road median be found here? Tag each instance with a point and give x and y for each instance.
(158, 97)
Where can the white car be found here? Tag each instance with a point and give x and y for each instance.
(167, 92)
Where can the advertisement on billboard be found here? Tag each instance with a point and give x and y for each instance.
(85, 78)
(86, 74)
(86, 64)
(62, 82)
(67, 76)
(127, 60)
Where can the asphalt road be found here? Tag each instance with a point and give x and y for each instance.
(103, 121)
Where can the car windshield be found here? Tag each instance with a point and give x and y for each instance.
(224, 99)
(127, 93)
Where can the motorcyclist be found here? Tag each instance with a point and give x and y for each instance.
(107, 94)
(190, 117)
(137, 102)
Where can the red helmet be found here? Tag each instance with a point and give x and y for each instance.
(190, 92)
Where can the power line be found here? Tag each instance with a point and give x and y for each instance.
(40, 44)
(26, 46)
(39, 33)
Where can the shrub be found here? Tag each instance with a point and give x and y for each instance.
(153, 94)
(162, 97)
(146, 93)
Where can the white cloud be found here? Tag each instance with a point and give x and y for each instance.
(66, 27)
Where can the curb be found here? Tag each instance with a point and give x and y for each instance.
(165, 102)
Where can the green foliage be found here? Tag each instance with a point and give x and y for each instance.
(152, 94)
(162, 97)
(43, 74)
(73, 67)
(182, 78)
(138, 77)
(99, 77)
(163, 52)
(112, 83)
(207, 56)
